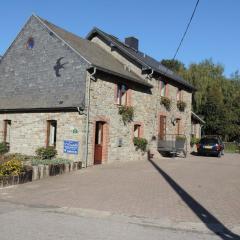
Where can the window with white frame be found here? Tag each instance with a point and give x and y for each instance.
(6, 130)
(179, 94)
(122, 94)
(51, 133)
(137, 130)
(163, 89)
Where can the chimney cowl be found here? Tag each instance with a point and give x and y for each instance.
(132, 42)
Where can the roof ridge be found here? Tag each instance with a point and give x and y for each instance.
(150, 63)
(76, 43)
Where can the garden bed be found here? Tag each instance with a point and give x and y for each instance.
(42, 171)
(14, 180)
(18, 169)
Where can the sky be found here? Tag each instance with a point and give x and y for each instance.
(158, 24)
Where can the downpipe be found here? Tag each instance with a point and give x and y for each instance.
(91, 77)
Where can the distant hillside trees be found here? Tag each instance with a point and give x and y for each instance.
(217, 98)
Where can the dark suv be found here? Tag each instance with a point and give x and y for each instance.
(211, 145)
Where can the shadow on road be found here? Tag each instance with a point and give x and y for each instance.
(211, 222)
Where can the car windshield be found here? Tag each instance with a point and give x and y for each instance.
(209, 141)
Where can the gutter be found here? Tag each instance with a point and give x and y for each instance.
(135, 80)
(32, 110)
(91, 77)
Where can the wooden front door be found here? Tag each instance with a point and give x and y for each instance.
(98, 150)
(178, 130)
(162, 127)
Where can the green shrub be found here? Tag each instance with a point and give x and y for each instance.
(4, 148)
(11, 168)
(140, 143)
(19, 156)
(181, 105)
(127, 113)
(231, 147)
(180, 137)
(46, 152)
(194, 140)
(166, 102)
(36, 161)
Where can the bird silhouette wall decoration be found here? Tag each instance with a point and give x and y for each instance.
(59, 66)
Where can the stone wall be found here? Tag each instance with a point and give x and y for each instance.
(196, 129)
(29, 131)
(147, 111)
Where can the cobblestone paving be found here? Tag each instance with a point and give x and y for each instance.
(139, 189)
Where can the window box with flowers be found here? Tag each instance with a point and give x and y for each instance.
(166, 102)
(181, 105)
(140, 143)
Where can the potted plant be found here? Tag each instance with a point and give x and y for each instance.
(194, 141)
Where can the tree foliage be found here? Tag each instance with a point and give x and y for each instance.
(217, 98)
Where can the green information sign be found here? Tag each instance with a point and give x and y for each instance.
(75, 131)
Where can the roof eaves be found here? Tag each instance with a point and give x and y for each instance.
(51, 109)
(132, 79)
(197, 117)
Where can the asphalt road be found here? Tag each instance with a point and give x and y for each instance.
(18, 222)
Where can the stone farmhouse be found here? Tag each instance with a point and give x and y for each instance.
(57, 89)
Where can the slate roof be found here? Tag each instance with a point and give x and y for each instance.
(144, 60)
(94, 54)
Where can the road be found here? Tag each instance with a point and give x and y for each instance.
(193, 198)
(18, 222)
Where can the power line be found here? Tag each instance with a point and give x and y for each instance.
(186, 29)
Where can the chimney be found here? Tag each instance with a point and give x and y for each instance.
(132, 42)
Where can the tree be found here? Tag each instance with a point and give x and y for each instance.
(174, 65)
(217, 98)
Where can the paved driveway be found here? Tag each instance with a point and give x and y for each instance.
(177, 192)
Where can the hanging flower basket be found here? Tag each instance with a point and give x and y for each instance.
(166, 102)
(181, 105)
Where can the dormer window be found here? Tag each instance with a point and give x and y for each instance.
(30, 43)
